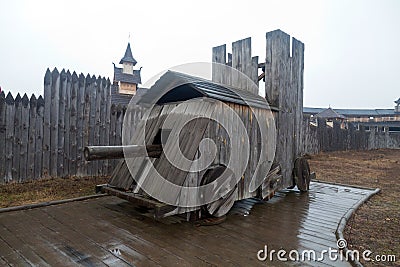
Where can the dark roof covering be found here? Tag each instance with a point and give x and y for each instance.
(127, 78)
(176, 87)
(380, 123)
(385, 111)
(312, 111)
(353, 112)
(329, 113)
(128, 56)
(123, 99)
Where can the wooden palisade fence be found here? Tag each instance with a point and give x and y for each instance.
(323, 137)
(45, 136)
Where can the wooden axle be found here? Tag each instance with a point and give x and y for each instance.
(118, 152)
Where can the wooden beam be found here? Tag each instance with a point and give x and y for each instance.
(116, 152)
(160, 209)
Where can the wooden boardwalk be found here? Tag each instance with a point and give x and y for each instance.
(108, 231)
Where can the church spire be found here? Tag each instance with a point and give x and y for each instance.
(128, 58)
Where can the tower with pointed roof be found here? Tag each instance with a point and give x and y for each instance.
(127, 79)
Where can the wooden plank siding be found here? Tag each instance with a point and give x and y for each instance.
(189, 139)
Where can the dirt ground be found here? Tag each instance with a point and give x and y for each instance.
(37, 191)
(375, 225)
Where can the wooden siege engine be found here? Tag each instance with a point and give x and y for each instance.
(173, 133)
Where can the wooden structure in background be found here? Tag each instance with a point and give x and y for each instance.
(323, 137)
(127, 78)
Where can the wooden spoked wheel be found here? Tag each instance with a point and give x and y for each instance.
(222, 205)
(302, 174)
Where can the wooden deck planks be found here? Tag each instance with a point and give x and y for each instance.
(35, 240)
(87, 232)
(96, 240)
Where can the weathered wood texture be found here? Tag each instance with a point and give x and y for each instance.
(45, 136)
(321, 136)
(241, 61)
(189, 139)
(2, 134)
(283, 88)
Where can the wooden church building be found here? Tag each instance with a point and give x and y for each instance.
(126, 79)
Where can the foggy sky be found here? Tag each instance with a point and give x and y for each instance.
(351, 47)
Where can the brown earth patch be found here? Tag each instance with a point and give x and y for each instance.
(14, 194)
(376, 225)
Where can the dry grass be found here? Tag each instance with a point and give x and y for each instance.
(376, 225)
(14, 194)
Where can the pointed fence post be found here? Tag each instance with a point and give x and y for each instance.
(10, 116)
(39, 153)
(2, 136)
(31, 150)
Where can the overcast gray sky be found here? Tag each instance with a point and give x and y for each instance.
(351, 47)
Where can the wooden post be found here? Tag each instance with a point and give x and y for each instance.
(218, 71)
(118, 126)
(113, 123)
(67, 131)
(17, 138)
(10, 115)
(46, 123)
(24, 138)
(253, 73)
(321, 127)
(297, 71)
(241, 60)
(80, 125)
(279, 93)
(2, 136)
(92, 120)
(32, 138)
(39, 153)
(54, 117)
(86, 118)
(97, 122)
(61, 124)
(73, 164)
(107, 122)
(277, 56)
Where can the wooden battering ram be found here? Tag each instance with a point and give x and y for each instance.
(283, 76)
(196, 93)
